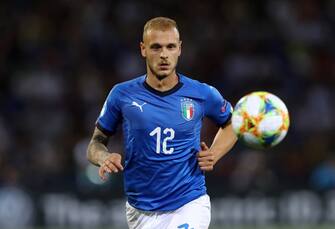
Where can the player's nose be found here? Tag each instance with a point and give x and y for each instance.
(163, 53)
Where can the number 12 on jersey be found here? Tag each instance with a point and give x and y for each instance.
(168, 135)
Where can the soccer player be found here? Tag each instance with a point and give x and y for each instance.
(161, 114)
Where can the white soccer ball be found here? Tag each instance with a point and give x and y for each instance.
(260, 119)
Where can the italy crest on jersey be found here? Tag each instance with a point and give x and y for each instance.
(187, 109)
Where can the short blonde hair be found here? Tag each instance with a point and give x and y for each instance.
(160, 23)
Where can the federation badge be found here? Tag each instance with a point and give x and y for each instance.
(187, 109)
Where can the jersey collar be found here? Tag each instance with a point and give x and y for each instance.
(163, 93)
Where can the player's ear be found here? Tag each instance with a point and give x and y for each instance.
(180, 48)
(142, 46)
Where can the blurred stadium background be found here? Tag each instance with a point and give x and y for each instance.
(58, 60)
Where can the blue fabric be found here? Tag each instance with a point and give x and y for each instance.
(161, 139)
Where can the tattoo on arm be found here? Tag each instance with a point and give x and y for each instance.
(101, 139)
(97, 151)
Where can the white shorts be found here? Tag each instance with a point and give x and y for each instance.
(193, 215)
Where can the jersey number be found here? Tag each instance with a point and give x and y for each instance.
(169, 132)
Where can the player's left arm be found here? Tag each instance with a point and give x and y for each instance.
(224, 140)
(220, 111)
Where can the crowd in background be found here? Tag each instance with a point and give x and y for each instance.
(59, 59)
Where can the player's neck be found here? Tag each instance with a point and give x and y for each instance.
(162, 85)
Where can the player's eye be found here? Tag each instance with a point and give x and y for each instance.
(172, 46)
(155, 47)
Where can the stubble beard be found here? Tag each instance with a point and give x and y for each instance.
(160, 77)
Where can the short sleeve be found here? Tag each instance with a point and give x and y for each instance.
(110, 114)
(216, 107)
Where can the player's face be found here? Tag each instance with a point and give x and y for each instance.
(161, 50)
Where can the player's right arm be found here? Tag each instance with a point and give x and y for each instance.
(98, 154)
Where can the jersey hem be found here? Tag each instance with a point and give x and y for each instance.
(177, 204)
(103, 130)
(227, 122)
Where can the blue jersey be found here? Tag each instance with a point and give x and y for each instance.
(161, 139)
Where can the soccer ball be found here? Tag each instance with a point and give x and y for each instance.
(260, 119)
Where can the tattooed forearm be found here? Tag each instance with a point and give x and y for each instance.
(101, 139)
(97, 150)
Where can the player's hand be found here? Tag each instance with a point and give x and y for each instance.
(110, 165)
(205, 158)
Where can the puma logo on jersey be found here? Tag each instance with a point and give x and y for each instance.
(138, 105)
